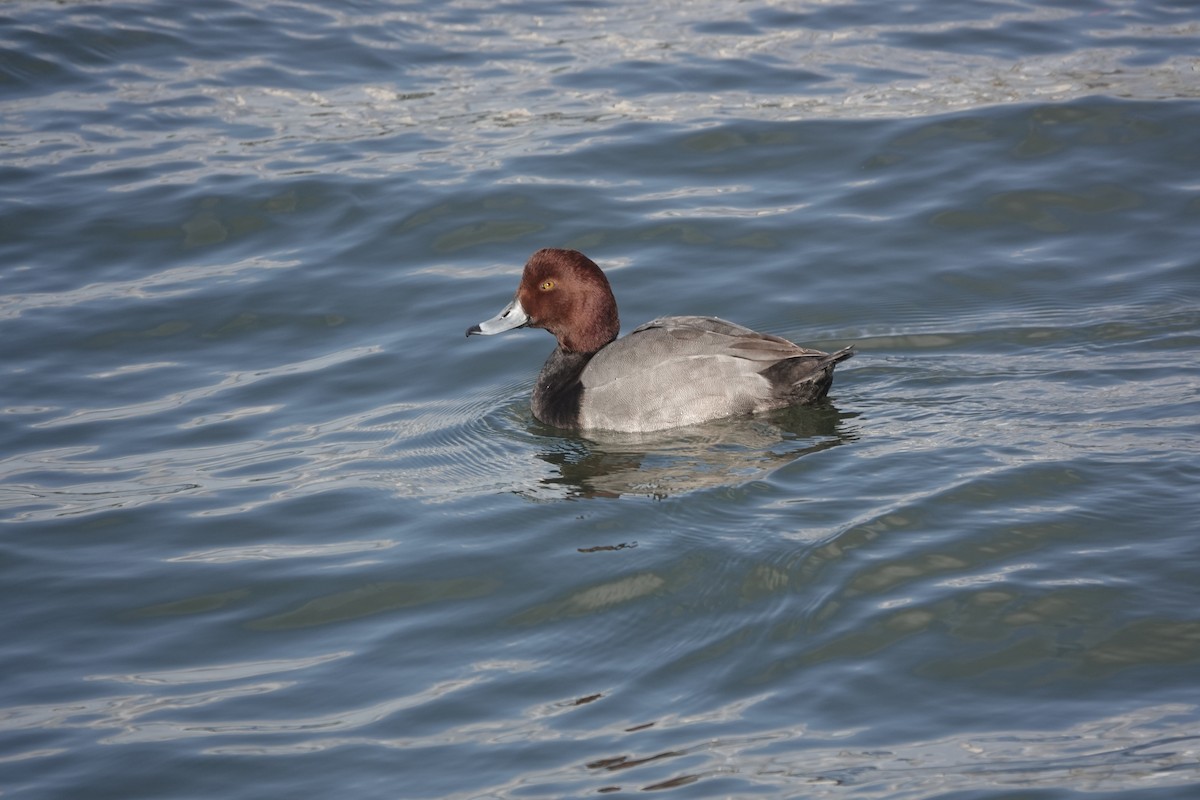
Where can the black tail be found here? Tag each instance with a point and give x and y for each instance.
(839, 356)
(805, 379)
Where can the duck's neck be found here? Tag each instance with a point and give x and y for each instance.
(558, 393)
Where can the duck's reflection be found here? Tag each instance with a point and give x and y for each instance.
(665, 463)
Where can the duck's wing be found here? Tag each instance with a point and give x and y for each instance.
(716, 335)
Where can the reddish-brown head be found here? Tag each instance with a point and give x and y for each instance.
(565, 292)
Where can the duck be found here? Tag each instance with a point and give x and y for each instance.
(668, 373)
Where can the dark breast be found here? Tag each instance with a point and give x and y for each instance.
(558, 393)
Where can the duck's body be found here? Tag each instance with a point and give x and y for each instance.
(670, 372)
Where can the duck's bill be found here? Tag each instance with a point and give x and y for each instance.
(513, 316)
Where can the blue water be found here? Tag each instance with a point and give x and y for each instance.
(271, 526)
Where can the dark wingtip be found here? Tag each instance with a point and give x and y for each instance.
(473, 329)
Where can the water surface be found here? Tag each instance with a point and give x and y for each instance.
(273, 526)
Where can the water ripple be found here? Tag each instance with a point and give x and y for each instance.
(770, 65)
(220, 672)
(168, 283)
(233, 380)
(1153, 745)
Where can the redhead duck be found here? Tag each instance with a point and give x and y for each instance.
(670, 372)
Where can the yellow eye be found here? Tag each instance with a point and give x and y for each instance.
(546, 286)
